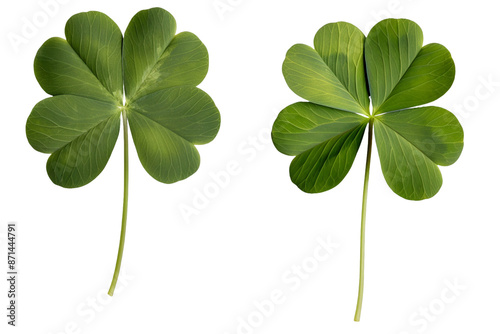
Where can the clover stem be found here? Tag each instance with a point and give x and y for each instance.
(125, 206)
(357, 315)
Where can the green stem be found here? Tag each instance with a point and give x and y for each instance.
(357, 316)
(125, 206)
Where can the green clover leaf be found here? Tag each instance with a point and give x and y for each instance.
(148, 77)
(339, 77)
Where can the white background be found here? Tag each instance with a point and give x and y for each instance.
(204, 274)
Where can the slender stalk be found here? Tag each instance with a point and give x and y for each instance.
(125, 206)
(357, 315)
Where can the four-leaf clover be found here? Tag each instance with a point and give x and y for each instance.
(147, 77)
(339, 77)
